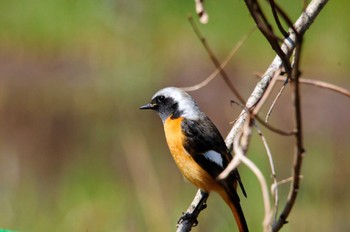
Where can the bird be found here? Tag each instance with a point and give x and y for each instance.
(197, 147)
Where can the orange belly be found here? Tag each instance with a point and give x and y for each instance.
(188, 167)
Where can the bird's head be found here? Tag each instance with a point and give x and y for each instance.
(174, 102)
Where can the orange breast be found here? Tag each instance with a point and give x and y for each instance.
(188, 167)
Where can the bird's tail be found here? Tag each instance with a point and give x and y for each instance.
(231, 198)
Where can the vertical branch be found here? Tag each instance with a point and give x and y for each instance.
(298, 147)
(274, 190)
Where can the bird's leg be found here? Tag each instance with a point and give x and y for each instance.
(186, 216)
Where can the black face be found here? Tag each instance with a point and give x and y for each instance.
(159, 102)
(165, 106)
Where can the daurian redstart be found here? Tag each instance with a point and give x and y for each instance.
(197, 147)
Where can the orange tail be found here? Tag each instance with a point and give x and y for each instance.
(232, 200)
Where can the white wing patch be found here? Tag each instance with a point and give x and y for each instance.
(215, 157)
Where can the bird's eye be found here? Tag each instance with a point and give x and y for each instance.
(160, 99)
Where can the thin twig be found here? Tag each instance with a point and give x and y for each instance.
(317, 83)
(215, 60)
(257, 117)
(275, 100)
(266, 93)
(277, 20)
(285, 17)
(274, 129)
(261, 103)
(284, 181)
(322, 84)
(273, 172)
(223, 64)
(240, 149)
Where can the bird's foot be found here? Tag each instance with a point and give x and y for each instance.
(191, 216)
(188, 217)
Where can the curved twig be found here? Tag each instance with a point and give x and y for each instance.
(322, 84)
(223, 65)
(215, 61)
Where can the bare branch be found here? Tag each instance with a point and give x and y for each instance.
(240, 148)
(284, 181)
(266, 29)
(263, 185)
(268, 126)
(301, 25)
(277, 20)
(275, 100)
(299, 147)
(274, 129)
(322, 84)
(273, 172)
(223, 64)
(215, 61)
(316, 83)
(266, 94)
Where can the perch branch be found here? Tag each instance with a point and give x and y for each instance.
(197, 205)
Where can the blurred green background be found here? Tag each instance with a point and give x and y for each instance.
(76, 154)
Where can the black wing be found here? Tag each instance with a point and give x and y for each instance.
(202, 136)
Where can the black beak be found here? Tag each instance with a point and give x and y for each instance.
(148, 106)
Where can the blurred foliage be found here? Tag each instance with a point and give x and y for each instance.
(77, 155)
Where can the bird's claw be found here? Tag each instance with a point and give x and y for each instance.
(204, 206)
(188, 216)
